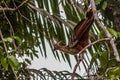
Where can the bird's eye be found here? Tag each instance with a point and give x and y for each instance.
(55, 47)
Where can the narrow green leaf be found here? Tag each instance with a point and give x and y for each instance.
(118, 33)
(17, 38)
(57, 56)
(13, 62)
(112, 32)
(103, 59)
(28, 61)
(68, 60)
(104, 5)
(4, 63)
(101, 34)
(97, 1)
(94, 58)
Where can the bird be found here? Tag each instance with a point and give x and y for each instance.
(80, 37)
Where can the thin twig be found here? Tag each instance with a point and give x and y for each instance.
(20, 12)
(11, 29)
(5, 47)
(100, 40)
(7, 9)
(105, 30)
(87, 71)
(75, 68)
(23, 3)
(80, 53)
(16, 78)
(13, 9)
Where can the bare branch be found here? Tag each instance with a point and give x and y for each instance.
(5, 47)
(105, 30)
(11, 28)
(75, 68)
(23, 3)
(100, 40)
(13, 9)
(7, 9)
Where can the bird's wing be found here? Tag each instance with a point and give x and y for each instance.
(81, 29)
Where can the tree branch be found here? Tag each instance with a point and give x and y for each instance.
(4, 44)
(105, 30)
(11, 28)
(100, 40)
(81, 54)
(13, 9)
(75, 68)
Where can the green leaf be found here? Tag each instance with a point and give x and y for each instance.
(18, 39)
(97, 1)
(104, 5)
(9, 39)
(13, 62)
(103, 59)
(101, 34)
(1, 50)
(118, 33)
(114, 73)
(28, 61)
(113, 32)
(4, 63)
(68, 60)
(94, 58)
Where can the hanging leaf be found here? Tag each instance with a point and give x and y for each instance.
(13, 62)
(104, 5)
(4, 63)
(18, 39)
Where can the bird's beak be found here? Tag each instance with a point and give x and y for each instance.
(56, 45)
(55, 48)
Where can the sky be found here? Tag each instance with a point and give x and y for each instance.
(50, 62)
(55, 65)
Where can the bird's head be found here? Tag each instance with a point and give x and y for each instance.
(56, 45)
(65, 49)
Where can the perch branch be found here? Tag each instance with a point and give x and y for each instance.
(100, 40)
(80, 53)
(105, 30)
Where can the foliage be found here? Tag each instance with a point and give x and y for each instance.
(46, 74)
(29, 24)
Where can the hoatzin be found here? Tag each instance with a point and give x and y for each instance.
(80, 36)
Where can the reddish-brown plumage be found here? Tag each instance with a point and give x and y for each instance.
(80, 36)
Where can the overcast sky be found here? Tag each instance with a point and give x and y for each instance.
(55, 65)
(51, 63)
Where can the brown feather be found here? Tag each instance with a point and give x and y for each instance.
(81, 31)
(80, 37)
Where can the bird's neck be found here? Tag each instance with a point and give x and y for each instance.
(67, 50)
